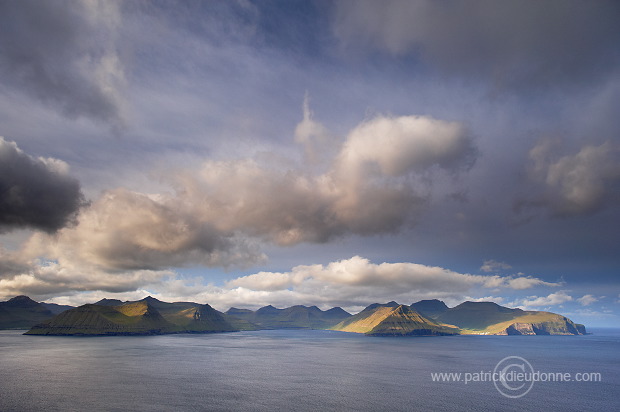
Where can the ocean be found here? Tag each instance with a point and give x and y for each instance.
(308, 370)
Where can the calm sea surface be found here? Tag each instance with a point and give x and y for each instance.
(305, 370)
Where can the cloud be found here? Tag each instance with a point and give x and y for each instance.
(591, 313)
(359, 271)
(496, 299)
(528, 44)
(352, 283)
(11, 264)
(527, 282)
(574, 184)
(48, 279)
(35, 192)
(494, 266)
(366, 190)
(356, 282)
(552, 299)
(65, 54)
(124, 231)
(286, 207)
(398, 145)
(313, 136)
(219, 214)
(587, 300)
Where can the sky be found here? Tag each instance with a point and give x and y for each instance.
(329, 153)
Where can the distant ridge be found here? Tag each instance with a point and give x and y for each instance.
(109, 302)
(294, 317)
(21, 312)
(430, 308)
(478, 315)
(55, 308)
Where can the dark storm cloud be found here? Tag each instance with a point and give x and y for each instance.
(63, 53)
(35, 193)
(572, 184)
(514, 43)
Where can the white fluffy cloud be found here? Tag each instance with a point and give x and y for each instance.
(351, 283)
(587, 300)
(356, 281)
(494, 266)
(398, 145)
(556, 298)
(364, 191)
(125, 230)
(360, 272)
(44, 280)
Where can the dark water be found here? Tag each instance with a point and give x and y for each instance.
(297, 370)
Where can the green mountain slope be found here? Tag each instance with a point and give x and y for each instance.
(367, 319)
(493, 319)
(478, 315)
(238, 319)
(194, 317)
(21, 312)
(536, 323)
(130, 319)
(148, 316)
(387, 320)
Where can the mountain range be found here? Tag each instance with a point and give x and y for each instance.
(148, 316)
(151, 316)
(294, 317)
(434, 317)
(21, 312)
